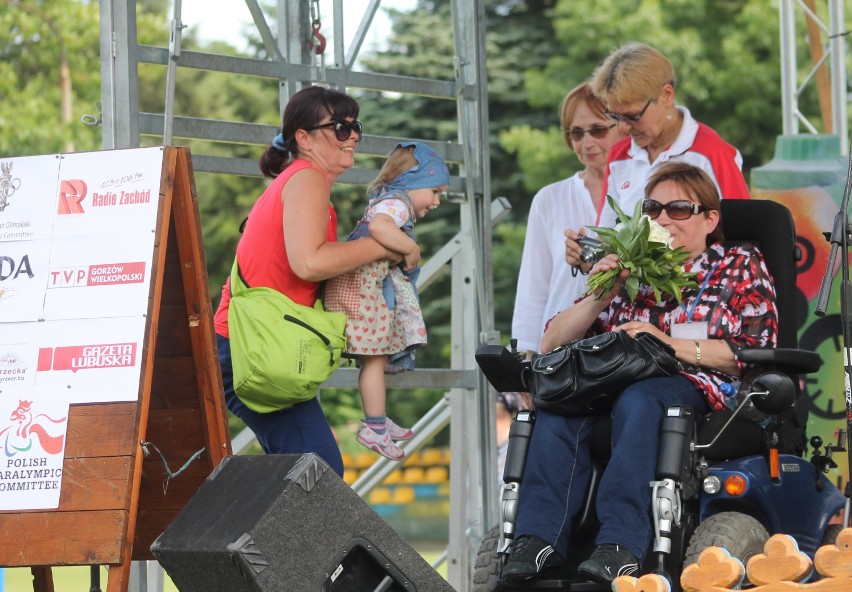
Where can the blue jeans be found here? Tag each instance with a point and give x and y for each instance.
(558, 469)
(296, 430)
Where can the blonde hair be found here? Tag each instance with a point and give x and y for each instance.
(632, 73)
(397, 162)
(579, 94)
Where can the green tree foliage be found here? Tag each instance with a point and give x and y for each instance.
(49, 63)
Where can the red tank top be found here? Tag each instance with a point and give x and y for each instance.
(262, 265)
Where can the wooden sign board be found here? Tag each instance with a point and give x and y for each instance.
(115, 496)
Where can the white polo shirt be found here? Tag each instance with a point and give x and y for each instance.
(629, 168)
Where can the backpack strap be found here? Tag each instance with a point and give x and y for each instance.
(238, 282)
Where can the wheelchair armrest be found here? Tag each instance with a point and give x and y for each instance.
(796, 361)
(502, 368)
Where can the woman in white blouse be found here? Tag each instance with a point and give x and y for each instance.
(546, 283)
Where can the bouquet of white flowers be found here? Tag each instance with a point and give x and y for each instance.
(643, 247)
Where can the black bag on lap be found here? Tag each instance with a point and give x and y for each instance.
(585, 376)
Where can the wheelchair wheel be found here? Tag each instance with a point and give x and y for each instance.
(831, 532)
(488, 563)
(741, 535)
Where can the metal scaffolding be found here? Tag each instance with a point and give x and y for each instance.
(293, 64)
(831, 84)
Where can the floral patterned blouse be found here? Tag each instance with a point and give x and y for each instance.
(738, 305)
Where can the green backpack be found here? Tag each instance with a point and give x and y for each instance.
(281, 351)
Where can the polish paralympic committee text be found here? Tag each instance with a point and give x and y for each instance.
(33, 485)
(26, 479)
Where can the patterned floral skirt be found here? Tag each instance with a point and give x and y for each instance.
(373, 329)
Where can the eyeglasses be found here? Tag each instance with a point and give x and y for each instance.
(342, 129)
(618, 117)
(596, 131)
(676, 210)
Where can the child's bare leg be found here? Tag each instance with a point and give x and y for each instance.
(374, 398)
(374, 435)
(371, 382)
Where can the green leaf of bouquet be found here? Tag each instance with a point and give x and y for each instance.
(632, 286)
(601, 230)
(680, 254)
(604, 280)
(643, 230)
(637, 211)
(639, 238)
(622, 217)
(673, 289)
(619, 248)
(604, 234)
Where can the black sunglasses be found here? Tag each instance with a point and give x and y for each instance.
(618, 118)
(596, 131)
(676, 210)
(342, 128)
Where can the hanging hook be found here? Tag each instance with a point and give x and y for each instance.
(317, 39)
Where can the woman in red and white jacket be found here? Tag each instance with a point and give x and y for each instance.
(637, 84)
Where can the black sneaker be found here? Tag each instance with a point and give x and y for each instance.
(529, 555)
(607, 563)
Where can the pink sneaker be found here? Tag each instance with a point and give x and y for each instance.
(398, 433)
(380, 443)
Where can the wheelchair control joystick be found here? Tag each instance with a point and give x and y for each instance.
(513, 349)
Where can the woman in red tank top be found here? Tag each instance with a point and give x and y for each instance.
(290, 244)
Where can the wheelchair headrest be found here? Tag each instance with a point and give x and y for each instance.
(775, 236)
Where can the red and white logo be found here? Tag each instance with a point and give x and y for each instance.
(71, 195)
(72, 192)
(625, 185)
(87, 357)
(106, 274)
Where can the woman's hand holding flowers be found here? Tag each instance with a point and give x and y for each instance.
(643, 248)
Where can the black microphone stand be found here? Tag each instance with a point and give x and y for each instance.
(840, 242)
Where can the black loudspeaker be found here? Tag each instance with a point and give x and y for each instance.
(286, 523)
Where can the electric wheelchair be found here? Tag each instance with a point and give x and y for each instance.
(722, 479)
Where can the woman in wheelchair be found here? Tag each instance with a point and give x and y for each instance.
(732, 307)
